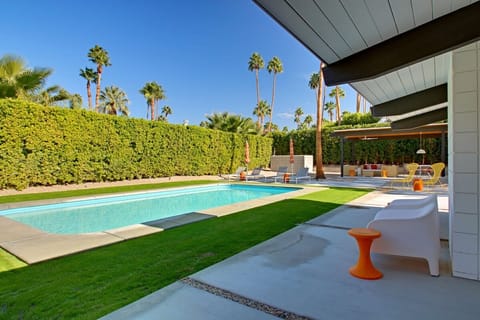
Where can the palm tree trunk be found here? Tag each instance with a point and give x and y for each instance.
(89, 95)
(152, 109)
(359, 98)
(337, 101)
(258, 88)
(273, 100)
(320, 174)
(97, 93)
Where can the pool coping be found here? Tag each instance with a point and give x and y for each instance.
(33, 245)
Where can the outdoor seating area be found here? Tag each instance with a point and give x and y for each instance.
(372, 170)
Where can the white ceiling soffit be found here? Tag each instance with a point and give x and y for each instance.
(417, 77)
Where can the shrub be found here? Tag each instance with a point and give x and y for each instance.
(51, 145)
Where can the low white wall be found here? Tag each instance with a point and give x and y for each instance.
(301, 161)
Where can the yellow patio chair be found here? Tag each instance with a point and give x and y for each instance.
(412, 168)
(437, 171)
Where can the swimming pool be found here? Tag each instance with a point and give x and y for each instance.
(111, 212)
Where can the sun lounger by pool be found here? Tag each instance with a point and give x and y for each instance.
(255, 175)
(236, 175)
(279, 176)
(302, 174)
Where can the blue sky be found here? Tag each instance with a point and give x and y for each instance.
(197, 50)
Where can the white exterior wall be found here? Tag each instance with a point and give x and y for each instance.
(464, 160)
(301, 161)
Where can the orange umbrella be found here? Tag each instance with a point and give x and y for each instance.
(292, 158)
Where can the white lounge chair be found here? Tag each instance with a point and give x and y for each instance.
(255, 175)
(413, 203)
(280, 175)
(411, 229)
(302, 174)
(236, 174)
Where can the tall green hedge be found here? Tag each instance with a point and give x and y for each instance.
(357, 152)
(50, 145)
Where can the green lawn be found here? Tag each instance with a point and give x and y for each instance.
(94, 283)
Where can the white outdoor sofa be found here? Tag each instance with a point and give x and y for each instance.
(409, 228)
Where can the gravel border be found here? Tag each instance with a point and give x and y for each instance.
(277, 312)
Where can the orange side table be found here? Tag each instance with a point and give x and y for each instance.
(364, 268)
(286, 178)
(417, 184)
(243, 176)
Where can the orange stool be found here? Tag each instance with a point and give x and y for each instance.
(286, 178)
(364, 268)
(243, 176)
(351, 172)
(417, 184)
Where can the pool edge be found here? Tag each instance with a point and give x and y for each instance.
(33, 245)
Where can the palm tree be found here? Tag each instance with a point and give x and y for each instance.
(51, 96)
(255, 64)
(275, 66)
(114, 100)
(100, 57)
(329, 107)
(262, 110)
(338, 93)
(91, 76)
(230, 123)
(272, 126)
(153, 92)
(316, 83)
(75, 101)
(298, 114)
(308, 120)
(17, 81)
(166, 111)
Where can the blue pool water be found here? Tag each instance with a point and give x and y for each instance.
(112, 212)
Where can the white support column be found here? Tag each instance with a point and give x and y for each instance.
(464, 161)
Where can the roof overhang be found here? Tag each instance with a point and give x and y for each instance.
(383, 133)
(458, 28)
(356, 50)
(421, 119)
(412, 102)
(386, 50)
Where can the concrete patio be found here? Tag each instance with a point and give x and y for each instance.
(303, 274)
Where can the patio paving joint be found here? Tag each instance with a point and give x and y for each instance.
(277, 312)
(325, 225)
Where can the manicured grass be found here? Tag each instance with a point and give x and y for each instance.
(94, 283)
(98, 191)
